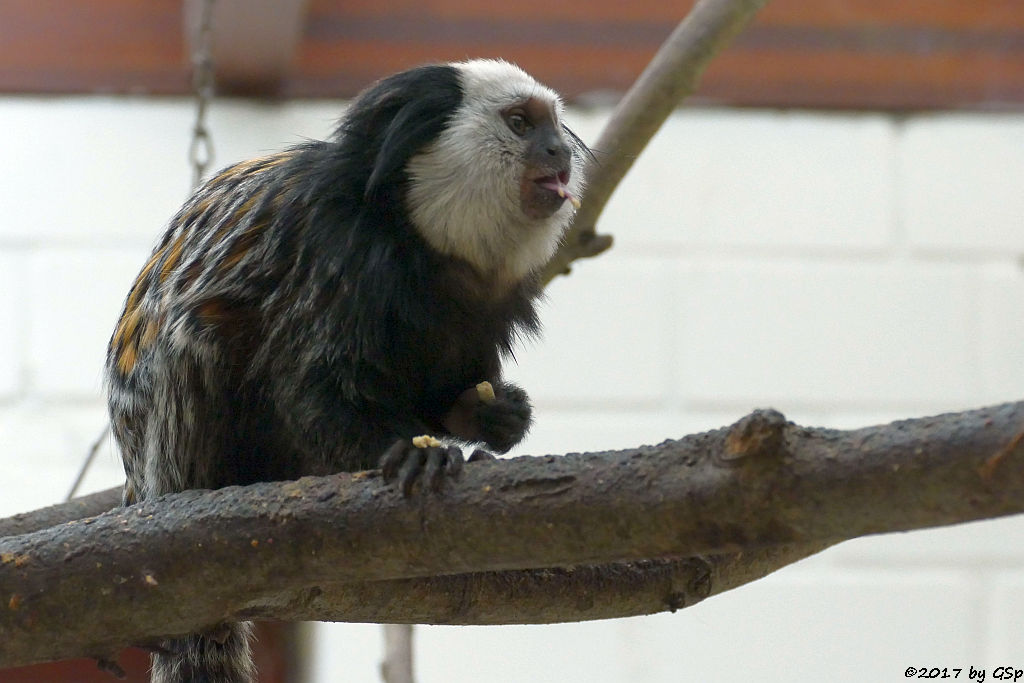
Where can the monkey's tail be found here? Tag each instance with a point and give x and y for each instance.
(221, 655)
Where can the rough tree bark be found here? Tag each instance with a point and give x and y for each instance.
(348, 548)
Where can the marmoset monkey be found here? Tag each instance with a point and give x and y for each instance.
(311, 311)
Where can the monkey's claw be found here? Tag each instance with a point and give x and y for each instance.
(406, 463)
(480, 454)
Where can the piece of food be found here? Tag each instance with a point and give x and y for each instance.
(485, 391)
(425, 441)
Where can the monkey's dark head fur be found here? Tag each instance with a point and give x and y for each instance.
(477, 155)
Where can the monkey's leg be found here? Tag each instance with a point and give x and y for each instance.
(192, 440)
(219, 656)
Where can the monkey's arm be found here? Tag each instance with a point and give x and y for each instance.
(496, 414)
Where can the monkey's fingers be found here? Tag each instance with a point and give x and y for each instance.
(411, 468)
(393, 459)
(454, 461)
(433, 471)
(440, 463)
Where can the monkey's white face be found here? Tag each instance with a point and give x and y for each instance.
(497, 187)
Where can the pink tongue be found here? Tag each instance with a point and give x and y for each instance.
(556, 185)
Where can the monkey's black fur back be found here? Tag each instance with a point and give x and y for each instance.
(297, 319)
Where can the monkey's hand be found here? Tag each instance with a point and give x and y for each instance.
(407, 459)
(498, 415)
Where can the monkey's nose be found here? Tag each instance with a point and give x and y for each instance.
(551, 152)
(559, 150)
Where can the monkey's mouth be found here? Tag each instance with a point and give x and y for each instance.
(558, 184)
(542, 196)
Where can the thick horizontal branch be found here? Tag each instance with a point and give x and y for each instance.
(145, 571)
(540, 595)
(74, 509)
(536, 596)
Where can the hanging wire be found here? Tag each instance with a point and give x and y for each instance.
(87, 463)
(200, 154)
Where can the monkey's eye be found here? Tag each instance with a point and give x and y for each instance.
(517, 122)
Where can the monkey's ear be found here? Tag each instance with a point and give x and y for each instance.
(417, 123)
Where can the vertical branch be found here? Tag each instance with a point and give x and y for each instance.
(397, 664)
(671, 76)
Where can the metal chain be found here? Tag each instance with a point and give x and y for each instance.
(200, 152)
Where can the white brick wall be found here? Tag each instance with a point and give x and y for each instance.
(584, 313)
(826, 333)
(1006, 641)
(761, 180)
(846, 269)
(75, 294)
(1002, 332)
(12, 315)
(92, 171)
(948, 164)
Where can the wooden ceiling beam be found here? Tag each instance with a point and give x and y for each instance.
(254, 42)
(907, 55)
